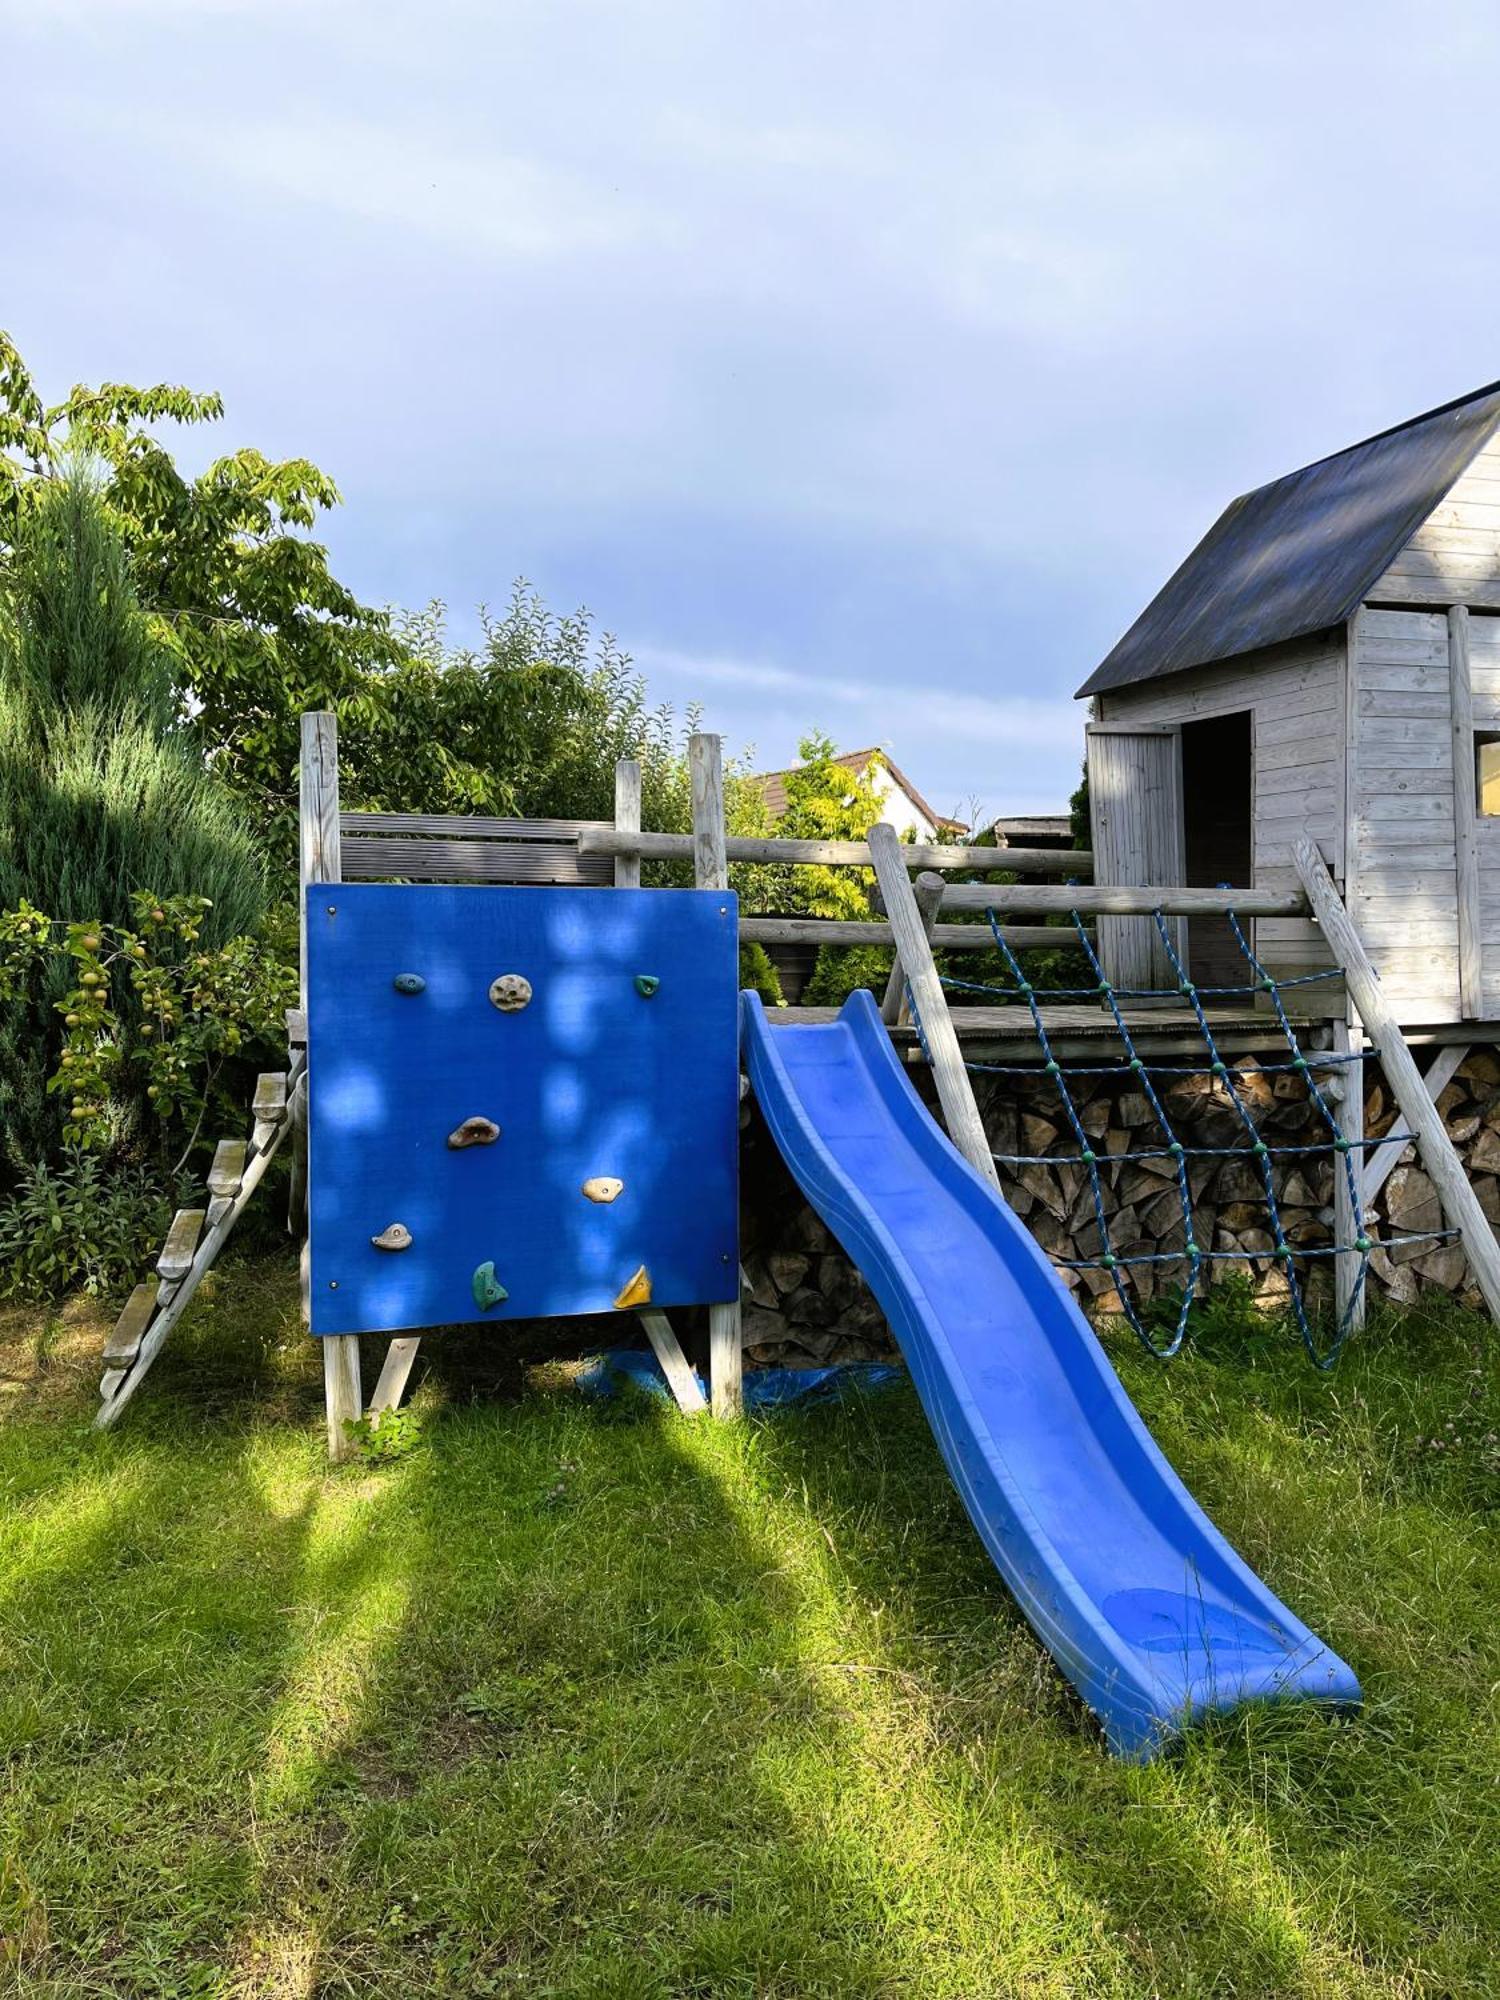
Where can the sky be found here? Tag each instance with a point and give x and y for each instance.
(861, 366)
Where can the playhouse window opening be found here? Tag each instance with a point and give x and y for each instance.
(1487, 772)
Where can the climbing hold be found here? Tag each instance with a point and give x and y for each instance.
(646, 984)
(395, 1236)
(510, 992)
(474, 1132)
(487, 1288)
(636, 1291)
(409, 982)
(603, 1187)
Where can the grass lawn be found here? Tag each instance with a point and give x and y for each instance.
(595, 1701)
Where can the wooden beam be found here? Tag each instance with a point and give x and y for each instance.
(319, 860)
(837, 853)
(914, 955)
(1120, 901)
(929, 894)
(390, 1384)
(1465, 815)
(1459, 1201)
(945, 937)
(1382, 1161)
(627, 820)
(1347, 1087)
(674, 1363)
(124, 1343)
(726, 1360)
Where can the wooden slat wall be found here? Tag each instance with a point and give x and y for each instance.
(1405, 871)
(383, 858)
(1296, 694)
(1454, 557)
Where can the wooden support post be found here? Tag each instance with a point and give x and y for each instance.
(1459, 1201)
(627, 820)
(929, 894)
(674, 1363)
(1351, 1117)
(320, 860)
(914, 956)
(1382, 1161)
(390, 1384)
(711, 871)
(1465, 820)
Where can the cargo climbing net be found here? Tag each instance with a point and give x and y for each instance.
(1252, 1145)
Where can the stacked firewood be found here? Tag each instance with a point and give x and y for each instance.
(806, 1304)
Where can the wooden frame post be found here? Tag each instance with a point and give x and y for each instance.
(1424, 1121)
(929, 894)
(319, 860)
(1465, 808)
(914, 957)
(711, 871)
(1350, 1097)
(627, 820)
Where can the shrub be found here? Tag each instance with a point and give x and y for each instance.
(842, 968)
(80, 1224)
(758, 975)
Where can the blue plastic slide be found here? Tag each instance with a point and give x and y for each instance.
(1142, 1603)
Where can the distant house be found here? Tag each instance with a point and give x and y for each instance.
(903, 805)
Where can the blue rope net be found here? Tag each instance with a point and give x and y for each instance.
(1253, 1146)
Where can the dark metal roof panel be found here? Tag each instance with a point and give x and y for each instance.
(1300, 554)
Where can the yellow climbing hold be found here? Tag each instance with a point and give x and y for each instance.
(637, 1292)
(603, 1187)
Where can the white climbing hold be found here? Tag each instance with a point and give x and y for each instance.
(603, 1187)
(510, 992)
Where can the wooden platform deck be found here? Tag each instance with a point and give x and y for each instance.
(1007, 1034)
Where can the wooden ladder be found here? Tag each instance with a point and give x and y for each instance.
(196, 1237)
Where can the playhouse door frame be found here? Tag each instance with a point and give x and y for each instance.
(1135, 809)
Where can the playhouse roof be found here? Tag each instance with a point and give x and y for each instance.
(1301, 553)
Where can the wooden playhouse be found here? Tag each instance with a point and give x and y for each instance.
(1325, 664)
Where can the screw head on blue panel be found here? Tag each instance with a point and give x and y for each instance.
(409, 982)
(487, 1288)
(646, 984)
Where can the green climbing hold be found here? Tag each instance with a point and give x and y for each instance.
(646, 984)
(409, 982)
(487, 1288)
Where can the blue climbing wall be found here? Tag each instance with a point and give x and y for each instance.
(590, 1079)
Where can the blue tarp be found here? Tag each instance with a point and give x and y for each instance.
(765, 1388)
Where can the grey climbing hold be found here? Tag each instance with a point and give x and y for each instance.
(646, 984)
(510, 992)
(409, 982)
(474, 1132)
(395, 1236)
(487, 1288)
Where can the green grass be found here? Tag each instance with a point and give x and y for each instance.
(594, 1701)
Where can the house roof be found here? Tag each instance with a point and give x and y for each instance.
(1301, 554)
(773, 785)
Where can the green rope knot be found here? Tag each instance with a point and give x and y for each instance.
(1053, 1069)
(1261, 1150)
(1025, 989)
(1284, 1249)
(1087, 1157)
(1363, 1243)
(1190, 1248)
(1104, 987)
(1136, 1063)
(1109, 1262)
(1218, 1069)
(1185, 986)
(1268, 985)
(1299, 1063)
(1341, 1144)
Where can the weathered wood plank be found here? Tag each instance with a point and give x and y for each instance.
(628, 820)
(1466, 870)
(1351, 1117)
(838, 853)
(929, 894)
(1124, 901)
(377, 859)
(464, 826)
(130, 1328)
(726, 1359)
(269, 1103)
(228, 1169)
(674, 1363)
(176, 1258)
(1460, 1203)
(945, 937)
(395, 1370)
(955, 1093)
